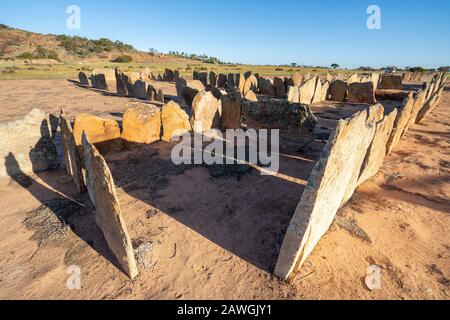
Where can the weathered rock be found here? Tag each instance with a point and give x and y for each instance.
(152, 94)
(251, 96)
(362, 92)
(293, 95)
(266, 87)
(195, 75)
(145, 74)
(295, 121)
(231, 111)
(306, 91)
(71, 159)
(338, 90)
(280, 90)
(177, 75)
(298, 79)
(419, 101)
(317, 92)
(187, 90)
(26, 145)
(240, 82)
(251, 84)
(401, 121)
(377, 150)
(288, 82)
(353, 78)
(391, 82)
(160, 96)
(83, 79)
(175, 121)
(140, 89)
(99, 81)
(170, 75)
(375, 79)
(104, 133)
(141, 123)
(222, 81)
(429, 105)
(129, 78)
(231, 81)
(121, 85)
(215, 91)
(203, 78)
(206, 112)
(325, 91)
(107, 209)
(247, 74)
(212, 78)
(341, 158)
(109, 74)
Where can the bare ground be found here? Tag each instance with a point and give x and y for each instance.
(201, 232)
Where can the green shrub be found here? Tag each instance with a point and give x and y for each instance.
(279, 69)
(123, 59)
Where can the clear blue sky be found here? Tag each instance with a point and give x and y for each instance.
(413, 33)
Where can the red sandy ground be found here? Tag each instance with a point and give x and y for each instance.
(218, 238)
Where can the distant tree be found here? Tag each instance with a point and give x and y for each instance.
(293, 64)
(335, 66)
(444, 69)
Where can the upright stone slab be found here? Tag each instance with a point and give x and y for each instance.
(107, 209)
(293, 95)
(240, 82)
(140, 89)
(338, 90)
(26, 145)
(71, 157)
(212, 78)
(324, 193)
(82, 77)
(251, 84)
(353, 78)
(403, 117)
(203, 78)
(429, 105)
(170, 75)
(297, 78)
(377, 151)
(266, 87)
(231, 81)
(280, 89)
(251, 96)
(231, 111)
(104, 133)
(288, 82)
(175, 121)
(375, 79)
(129, 78)
(141, 123)
(222, 81)
(363, 92)
(325, 91)
(99, 82)
(391, 82)
(306, 91)
(206, 112)
(419, 100)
